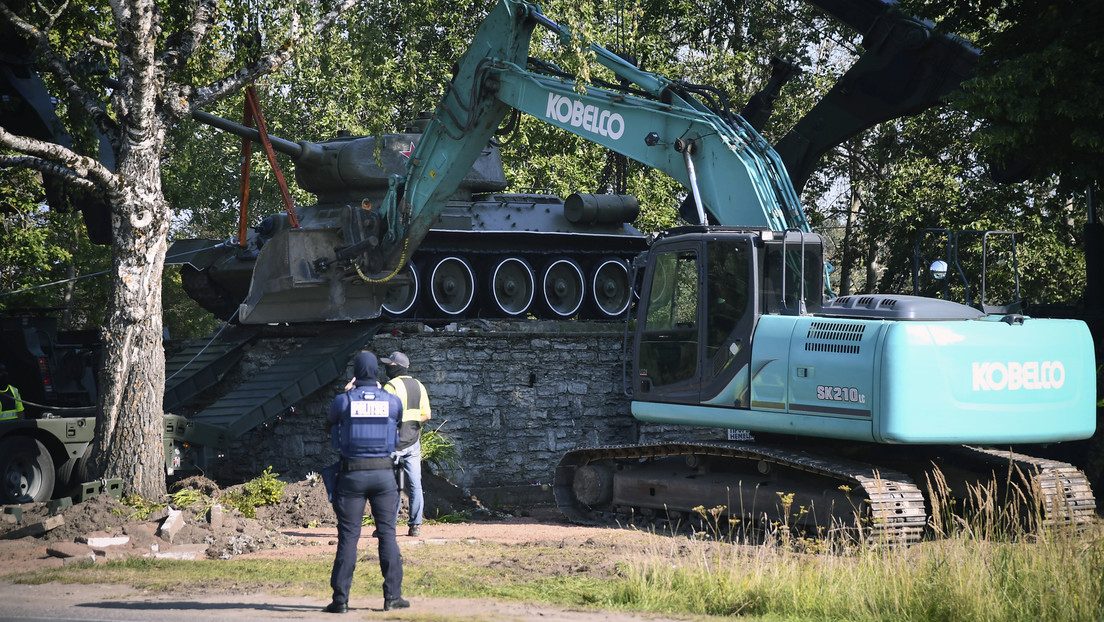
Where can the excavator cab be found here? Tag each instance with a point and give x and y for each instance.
(704, 290)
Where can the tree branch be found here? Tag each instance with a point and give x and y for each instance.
(54, 158)
(181, 100)
(45, 166)
(60, 69)
(182, 45)
(52, 15)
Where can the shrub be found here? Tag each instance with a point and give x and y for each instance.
(262, 490)
(439, 450)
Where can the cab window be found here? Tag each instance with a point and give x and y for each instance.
(669, 345)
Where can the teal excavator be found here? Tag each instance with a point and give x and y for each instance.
(852, 400)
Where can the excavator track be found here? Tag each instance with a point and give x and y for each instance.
(878, 505)
(1066, 495)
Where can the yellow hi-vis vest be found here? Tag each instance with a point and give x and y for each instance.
(405, 387)
(10, 403)
(411, 392)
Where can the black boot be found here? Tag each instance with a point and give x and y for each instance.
(395, 603)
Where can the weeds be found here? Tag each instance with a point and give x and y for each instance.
(439, 451)
(142, 507)
(262, 490)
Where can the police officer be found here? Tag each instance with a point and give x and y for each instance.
(363, 423)
(11, 405)
(415, 403)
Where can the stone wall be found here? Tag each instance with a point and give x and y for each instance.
(513, 397)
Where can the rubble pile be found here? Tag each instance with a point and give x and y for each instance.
(104, 528)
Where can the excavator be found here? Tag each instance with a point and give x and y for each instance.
(853, 400)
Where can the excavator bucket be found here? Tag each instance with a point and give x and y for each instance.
(288, 287)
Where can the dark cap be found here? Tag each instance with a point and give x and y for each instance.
(365, 367)
(397, 358)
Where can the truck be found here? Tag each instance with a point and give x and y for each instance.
(851, 399)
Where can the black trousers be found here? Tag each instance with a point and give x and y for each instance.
(355, 489)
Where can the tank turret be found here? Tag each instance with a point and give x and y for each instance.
(490, 254)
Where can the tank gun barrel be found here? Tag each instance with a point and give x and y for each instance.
(295, 150)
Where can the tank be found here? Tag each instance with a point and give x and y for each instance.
(491, 253)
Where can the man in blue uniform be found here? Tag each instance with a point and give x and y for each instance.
(363, 423)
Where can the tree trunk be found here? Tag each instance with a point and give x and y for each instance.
(128, 442)
(850, 244)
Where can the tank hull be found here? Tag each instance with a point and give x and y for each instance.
(490, 254)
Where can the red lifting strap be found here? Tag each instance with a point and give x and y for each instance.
(253, 111)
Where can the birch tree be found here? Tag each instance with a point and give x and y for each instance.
(125, 66)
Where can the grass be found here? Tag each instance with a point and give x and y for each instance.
(1058, 576)
(990, 565)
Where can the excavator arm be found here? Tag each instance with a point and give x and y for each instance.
(906, 67)
(729, 169)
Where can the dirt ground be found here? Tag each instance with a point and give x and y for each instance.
(302, 518)
(301, 525)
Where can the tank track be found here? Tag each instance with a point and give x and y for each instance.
(895, 505)
(1067, 497)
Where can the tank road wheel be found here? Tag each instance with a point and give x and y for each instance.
(610, 290)
(403, 294)
(512, 286)
(452, 285)
(563, 287)
(26, 471)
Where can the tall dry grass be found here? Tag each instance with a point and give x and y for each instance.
(989, 555)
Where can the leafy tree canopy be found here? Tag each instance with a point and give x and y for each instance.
(1039, 86)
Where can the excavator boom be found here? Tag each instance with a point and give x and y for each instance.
(733, 173)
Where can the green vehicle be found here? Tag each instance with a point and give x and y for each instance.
(42, 453)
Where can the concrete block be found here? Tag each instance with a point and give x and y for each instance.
(36, 529)
(215, 517)
(172, 524)
(101, 541)
(68, 549)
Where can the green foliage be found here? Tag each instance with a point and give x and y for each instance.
(439, 450)
(183, 317)
(143, 508)
(1039, 84)
(450, 518)
(43, 246)
(906, 176)
(264, 489)
(188, 497)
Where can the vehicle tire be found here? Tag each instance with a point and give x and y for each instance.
(26, 471)
(74, 472)
(563, 286)
(451, 286)
(401, 298)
